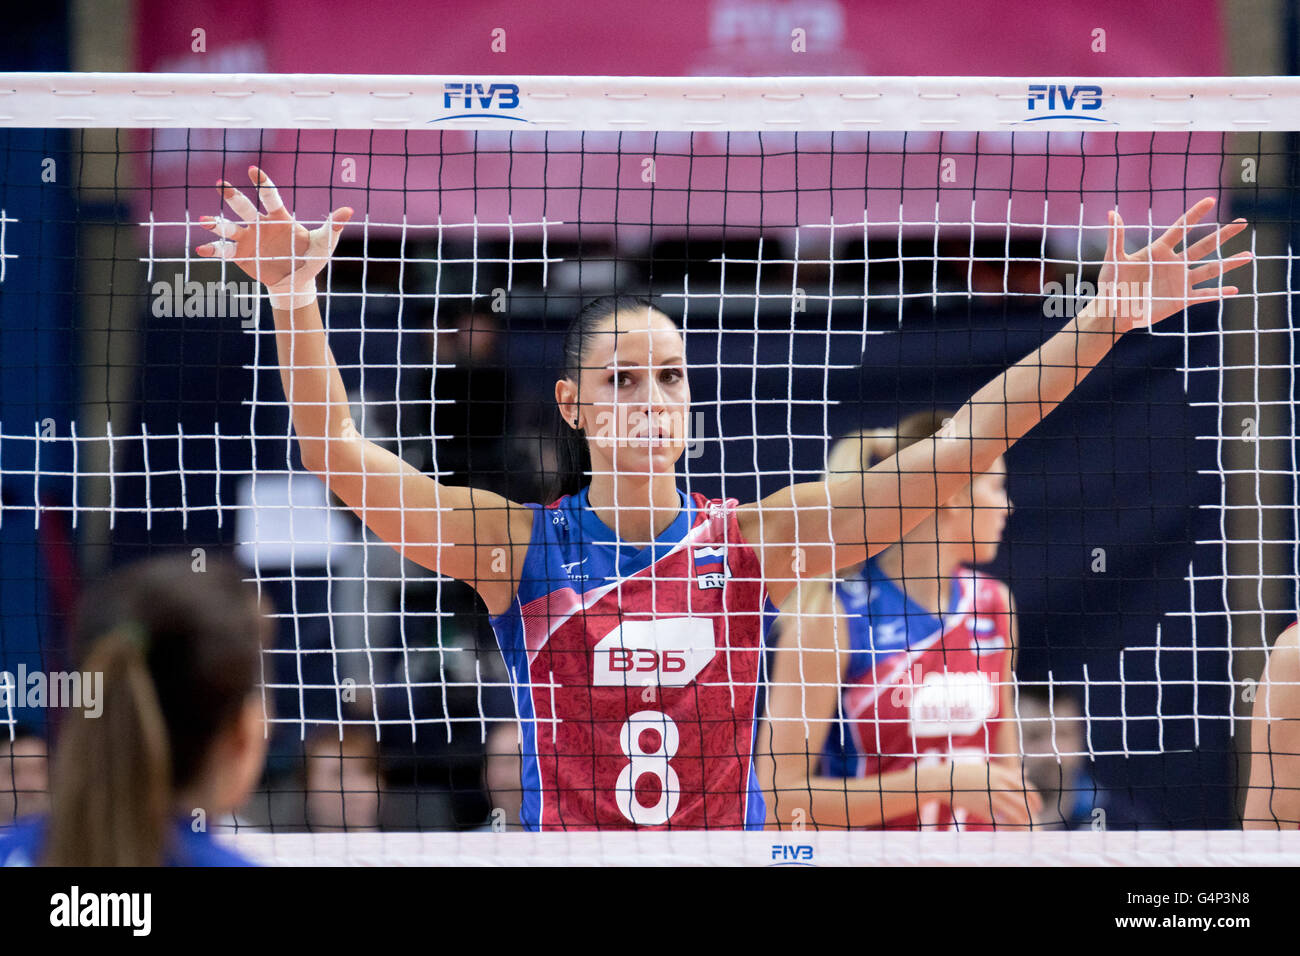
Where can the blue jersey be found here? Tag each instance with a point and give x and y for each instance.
(23, 843)
(635, 671)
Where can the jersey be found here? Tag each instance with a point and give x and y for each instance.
(635, 671)
(919, 689)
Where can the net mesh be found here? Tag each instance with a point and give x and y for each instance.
(824, 284)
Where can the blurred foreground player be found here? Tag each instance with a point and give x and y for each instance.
(181, 739)
(1273, 800)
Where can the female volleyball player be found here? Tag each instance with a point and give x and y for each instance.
(628, 614)
(1273, 800)
(180, 740)
(891, 687)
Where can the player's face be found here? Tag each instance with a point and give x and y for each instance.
(1053, 743)
(632, 399)
(23, 773)
(990, 508)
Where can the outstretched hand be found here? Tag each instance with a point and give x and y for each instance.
(272, 247)
(1156, 282)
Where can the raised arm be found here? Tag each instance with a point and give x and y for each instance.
(813, 528)
(476, 536)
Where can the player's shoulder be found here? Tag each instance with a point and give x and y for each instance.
(1284, 659)
(1290, 638)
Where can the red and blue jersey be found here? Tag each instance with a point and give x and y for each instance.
(635, 670)
(919, 688)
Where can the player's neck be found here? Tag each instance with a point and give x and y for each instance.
(637, 508)
(201, 793)
(923, 569)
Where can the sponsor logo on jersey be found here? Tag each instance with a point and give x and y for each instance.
(949, 703)
(889, 633)
(570, 569)
(711, 570)
(669, 652)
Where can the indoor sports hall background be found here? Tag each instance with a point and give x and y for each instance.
(131, 423)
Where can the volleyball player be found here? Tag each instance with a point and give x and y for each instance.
(1273, 800)
(629, 614)
(180, 741)
(891, 695)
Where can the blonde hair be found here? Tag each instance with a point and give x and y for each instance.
(862, 450)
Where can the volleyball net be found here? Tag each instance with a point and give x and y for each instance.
(840, 255)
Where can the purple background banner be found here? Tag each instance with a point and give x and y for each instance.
(707, 180)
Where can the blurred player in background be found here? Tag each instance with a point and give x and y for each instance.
(891, 701)
(1273, 800)
(1053, 734)
(343, 779)
(24, 775)
(181, 739)
(630, 614)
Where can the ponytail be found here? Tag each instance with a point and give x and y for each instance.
(111, 802)
(573, 461)
(179, 654)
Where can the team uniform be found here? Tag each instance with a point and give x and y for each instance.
(635, 671)
(919, 689)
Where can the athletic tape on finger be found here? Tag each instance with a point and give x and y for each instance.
(241, 204)
(269, 195)
(224, 228)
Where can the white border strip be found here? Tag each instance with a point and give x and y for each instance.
(733, 848)
(325, 101)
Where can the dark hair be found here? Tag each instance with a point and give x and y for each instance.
(862, 450)
(574, 459)
(180, 653)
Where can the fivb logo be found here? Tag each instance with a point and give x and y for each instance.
(492, 100)
(1048, 101)
(784, 854)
